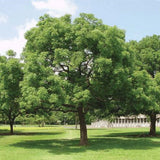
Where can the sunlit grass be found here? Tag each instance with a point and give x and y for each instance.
(59, 143)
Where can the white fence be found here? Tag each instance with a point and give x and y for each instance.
(125, 122)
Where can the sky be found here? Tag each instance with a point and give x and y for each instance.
(138, 18)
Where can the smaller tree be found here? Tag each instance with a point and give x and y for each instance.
(145, 97)
(10, 76)
(145, 82)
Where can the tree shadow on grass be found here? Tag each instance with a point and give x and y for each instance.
(6, 132)
(129, 135)
(3, 131)
(66, 146)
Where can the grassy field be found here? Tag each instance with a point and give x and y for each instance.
(58, 143)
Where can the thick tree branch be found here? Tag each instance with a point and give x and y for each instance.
(68, 105)
(63, 68)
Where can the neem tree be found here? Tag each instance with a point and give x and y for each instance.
(10, 94)
(68, 64)
(146, 79)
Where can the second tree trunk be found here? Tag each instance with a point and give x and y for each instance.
(83, 128)
(152, 124)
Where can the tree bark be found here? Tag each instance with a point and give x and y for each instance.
(83, 128)
(76, 121)
(152, 124)
(11, 128)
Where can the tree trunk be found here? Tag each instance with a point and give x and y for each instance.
(43, 124)
(152, 124)
(83, 128)
(76, 121)
(11, 128)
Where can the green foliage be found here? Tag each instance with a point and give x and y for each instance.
(145, 93)
(11, 53)
(148, 52)
(145, 78)
(10, 93)
(72, 64)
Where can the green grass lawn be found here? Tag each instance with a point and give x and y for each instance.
(58, 143)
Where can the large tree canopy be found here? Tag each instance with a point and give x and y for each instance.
(74, 66)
